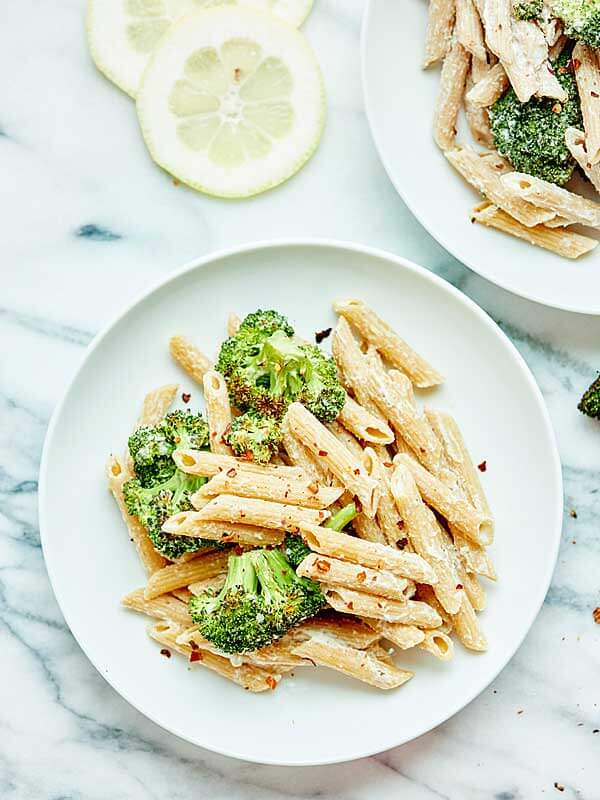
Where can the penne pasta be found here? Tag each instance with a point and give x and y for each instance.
(469, 31)
(189, 357)
(364, 425)
(450, 94)
(575, 141)
(174, 576)
(547, 195)
(165, 607)
(489, 88)
(440, 25)
(263, 513)
(187, 523)
(218, 411)
(334, 572)
(587, 75)
(402, 636)
(201, 462)
(214, 584)
(346, 438)
(387, 516)
(299, 455)
(408, 612)
(233, 324)
(439, 644)
(368, 529)
(467, 628)
(348, 630)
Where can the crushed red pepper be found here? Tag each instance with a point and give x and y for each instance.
(482, 467)
(186, 397)
(320, 335)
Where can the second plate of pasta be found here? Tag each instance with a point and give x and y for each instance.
(373, 603)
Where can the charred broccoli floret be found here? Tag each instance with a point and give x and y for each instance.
(262, 599)
(151, 448)
(528, 9)
(581, 19)
(296, 549)
(267, 373)
(590, 402)
(532, 135)
(254, 437)
(265, 323)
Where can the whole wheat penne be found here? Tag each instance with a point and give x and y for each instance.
(556, 49)
(555, 198)
(233, 324)
(424, 534)
(473, 589)
(279, 488)
(363, 424)
(117, 473)
(575, 141)
(182, 594)
(467, 628)
(439, 644)
(403, 636)
(218, 411)
(489, 88)
(275, 658)
(299, 455)
(165, 607)
(496, 17)
(409, 612)
(348, 630)
(174, 576)
(263, 513)
(558, 241)
(249, 677)
(346, 438)
(587, 75)
(484, 177)
(214, 584)
(188, 523)
(425, 594)
(353, 576)
(358, 664)
(369, 554)
(469, 30)
(395, 350)
(323, 444)
(471, 522)
(450, 94)
(478, 120)
(156, 404)
(368, 529)
(201, 462)
(387, 517)
(189, 357)
(440, 24)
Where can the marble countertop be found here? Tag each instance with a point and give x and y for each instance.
(87, 223)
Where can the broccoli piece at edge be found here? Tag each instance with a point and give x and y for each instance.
(265, 323)
(262, 599)
(528, 9)
(590, 401)
(254, 437)
(294, 546)
(532, 135)
(581, 19)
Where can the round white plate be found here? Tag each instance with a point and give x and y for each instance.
(318, 716)
(400, 99)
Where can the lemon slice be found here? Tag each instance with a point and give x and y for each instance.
(232, 102)
(123, 34)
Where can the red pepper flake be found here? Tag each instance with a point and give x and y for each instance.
(350, 605)
(186, 397)
(313, 488)
(595, 94)
(361, 577)
(322, 565)
(320, 335)
(196, 655)
(247, 456)
(362, 443)
(401, 543)
(388, 464)
(271, 682)
(400, 524)
(238, 550)
(596, 615)
(422, 449)
(357, 472)
(482, 467)
(556, 108)
(323, 453)
(166, 653)
(231, 473)
(194, 645)
(459, 586)
(286, 494)
(576, 63)
(559, 786)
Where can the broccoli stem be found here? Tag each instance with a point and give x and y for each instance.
(241, 573)
(342, 517)
(274, 573)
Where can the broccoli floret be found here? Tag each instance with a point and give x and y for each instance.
(528, 9)
(266, 374)
(532, 135)
(151, 448)
(294, 546)
(265, 323)
(153, 505)
(262, 599)
(590, 402)
(254, 437)
(581, 19)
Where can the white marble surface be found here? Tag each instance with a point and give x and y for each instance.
(87, 223)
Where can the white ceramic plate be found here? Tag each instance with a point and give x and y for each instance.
(400, 99)
(318, 716)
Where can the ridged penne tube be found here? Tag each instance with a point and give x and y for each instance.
(350, 631)
(299, 455)
(467, 628)
(402, 636)
(263, 513)
(471, 522)
(363, 424)
(387, 517)
(346, 438)
(189, 357)
(201, 462)
(473, 589)
(547, 195)
(352, 367)
(182, 594)
(369, 554)
(214, 584)
(188, 523)
(439, 644)
(575, 141)
(233, 324)
(409, 612)
(482, 175)
(478, 119)
(395, 350)
(334, 455)
(425, 536)
(450, 95)
(353, 576)
(587, 74)
(174, 576)
(249, 677)
(496, 16)
(469, 30)
(156, 404)
(165, 607)
(425, 594)
(440, 25)
(117, 473)
(218, 411)
(357, 664)
(279, 488)
(488, 89)
(368, 529)
(558, 241)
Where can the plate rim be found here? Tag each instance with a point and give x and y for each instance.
(440, 239)
(395, 261)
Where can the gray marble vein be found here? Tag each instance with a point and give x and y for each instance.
(83, 211)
